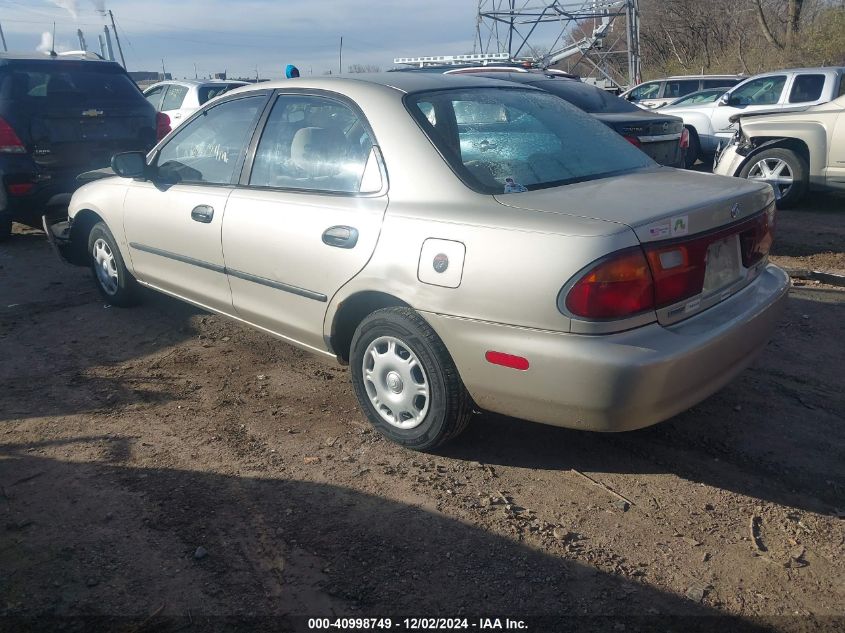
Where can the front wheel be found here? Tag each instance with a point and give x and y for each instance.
(405, 380)
(114, 281)
(784, 170)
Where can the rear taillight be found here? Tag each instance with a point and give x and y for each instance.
(162, 125)
(661, 274)
(20, 189)
(618, 286)
(678, 270)
(685, 138)
(756, 240)
(9, 141)
(633, 140)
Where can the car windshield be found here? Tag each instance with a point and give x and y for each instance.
(508, 140)
(588, 98)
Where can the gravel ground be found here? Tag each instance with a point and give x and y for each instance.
(182, 472)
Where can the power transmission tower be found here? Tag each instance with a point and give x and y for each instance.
(603, 34)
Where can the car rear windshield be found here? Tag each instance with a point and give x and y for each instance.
(588, 98)
(66, 82)
(507, 140)
(207, 93)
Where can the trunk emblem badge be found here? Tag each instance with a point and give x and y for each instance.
(736, 210)
(92, 112)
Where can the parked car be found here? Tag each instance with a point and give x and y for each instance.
(180, 99)
(702, 96)
(658, 93)
(709, 124)
(60, 116)
(662, 137)
(792, 151)
(459, 241)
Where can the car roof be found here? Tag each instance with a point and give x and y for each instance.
(403, 82)
(6, 58)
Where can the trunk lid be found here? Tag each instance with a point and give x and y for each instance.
(692, 226)
(649, 200)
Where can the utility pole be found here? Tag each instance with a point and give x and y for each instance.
(340, 57)
(163, 71)
(3, 38)
(117, 39)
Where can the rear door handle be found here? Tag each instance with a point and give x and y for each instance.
(202, 213)
(341, 236)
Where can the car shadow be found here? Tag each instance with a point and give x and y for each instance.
(108, 545)
(775, 433)
(63, 347)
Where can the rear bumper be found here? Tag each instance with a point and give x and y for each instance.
(616, 382)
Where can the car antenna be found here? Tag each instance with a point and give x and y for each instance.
(53, 43)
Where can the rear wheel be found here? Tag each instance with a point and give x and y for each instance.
(784, 170)
(405, 380)
(113, 280)
(693, 150)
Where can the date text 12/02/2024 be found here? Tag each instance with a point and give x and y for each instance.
(416, 624)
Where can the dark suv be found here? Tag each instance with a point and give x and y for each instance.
(61, 116)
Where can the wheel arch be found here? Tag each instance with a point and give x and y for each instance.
(83, 221)
(762, 144)
(349, 313)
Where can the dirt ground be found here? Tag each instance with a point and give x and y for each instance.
(165, 469)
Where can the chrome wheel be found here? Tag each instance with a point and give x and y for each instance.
(776, 172)
(396, 382)
(105, 266)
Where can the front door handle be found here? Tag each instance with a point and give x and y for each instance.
(341, 236)
(202, 213)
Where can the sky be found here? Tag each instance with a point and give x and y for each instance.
(239, 36)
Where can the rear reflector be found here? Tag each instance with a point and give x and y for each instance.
(685, 138)
(20, 189)
(9, 141)
(507, 360)
(618, 286)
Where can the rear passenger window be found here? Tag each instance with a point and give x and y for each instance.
(719, 83)
(806, 88)
(174, 97)
(680, 88)
(314, 143)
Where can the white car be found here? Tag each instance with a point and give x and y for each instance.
(710, 125)
(180, 99)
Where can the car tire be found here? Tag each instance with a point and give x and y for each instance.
(774, 166)
(5, 227)
(114, 281)
(694, 149)
(405, 380)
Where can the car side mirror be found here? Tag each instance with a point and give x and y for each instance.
(129, 164)
(729, 100)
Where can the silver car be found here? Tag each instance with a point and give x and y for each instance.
(458, 241)
(794, 152)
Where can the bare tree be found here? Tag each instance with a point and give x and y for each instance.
(364, 68)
